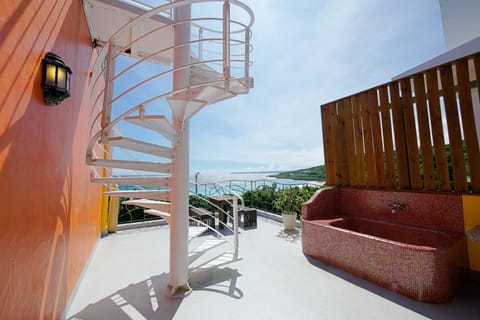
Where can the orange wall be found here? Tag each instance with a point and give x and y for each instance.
(49, 211)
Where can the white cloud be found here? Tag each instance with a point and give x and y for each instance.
(305, 54)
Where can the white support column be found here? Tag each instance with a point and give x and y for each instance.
(235, 224)
(178, 280)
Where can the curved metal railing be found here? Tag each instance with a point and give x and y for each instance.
(116, 94)
(133, 76)
(232, 217)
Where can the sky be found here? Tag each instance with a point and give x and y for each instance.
(307, 53)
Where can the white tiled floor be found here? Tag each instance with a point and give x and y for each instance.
(127, 277)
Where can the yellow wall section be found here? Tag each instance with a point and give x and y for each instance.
(471, 212)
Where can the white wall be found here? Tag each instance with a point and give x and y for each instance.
(461, 21)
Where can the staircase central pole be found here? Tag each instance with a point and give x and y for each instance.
(178, 280)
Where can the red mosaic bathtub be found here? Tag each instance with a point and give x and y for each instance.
(421, 263)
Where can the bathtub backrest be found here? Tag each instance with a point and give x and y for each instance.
(322, 204)
(439, 211)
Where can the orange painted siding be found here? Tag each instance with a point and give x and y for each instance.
(49, 211)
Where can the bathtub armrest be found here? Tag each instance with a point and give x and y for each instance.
(322, 204)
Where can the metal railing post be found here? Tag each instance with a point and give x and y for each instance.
(226, 43)
(200, 44)
(235, 224)
(247, 55)
(108, 92)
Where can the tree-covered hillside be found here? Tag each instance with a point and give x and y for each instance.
(311, 174)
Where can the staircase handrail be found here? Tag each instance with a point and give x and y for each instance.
(234, 215)
(145, 5)
(130, 67)
(218, 233)
(120, 50)
(98, 70)
(229, 190)
(159, 9)
(208, 84)
(218, 208)
(119, 118)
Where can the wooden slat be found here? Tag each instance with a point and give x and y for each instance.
(361, 151)
(441, 162)
(368, 140)
(400, 143)
(476, 62)
(377, 138)
(468, 124)
(391, 180)
(424, 131)
(328, 147)
(341, 138)
(350, 142)
(454, 133)
(336, 144)
(359, 146)
(411, 135)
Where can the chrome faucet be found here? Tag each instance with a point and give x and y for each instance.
(395, 207)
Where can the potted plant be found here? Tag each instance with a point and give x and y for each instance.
(289, 204)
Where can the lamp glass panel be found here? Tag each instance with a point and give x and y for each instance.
(62, 78)
(68, 82)
(50, 74)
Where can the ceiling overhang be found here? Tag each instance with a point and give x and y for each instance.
(106, 17)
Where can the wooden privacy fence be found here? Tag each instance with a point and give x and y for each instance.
(396, 135)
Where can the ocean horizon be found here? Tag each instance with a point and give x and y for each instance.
(238, 181)
(222, 176)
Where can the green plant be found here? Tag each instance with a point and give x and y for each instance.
(266, 197)
(262, 197)
(289, 201)
(199, 201)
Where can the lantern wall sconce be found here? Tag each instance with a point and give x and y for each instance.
(55, 79)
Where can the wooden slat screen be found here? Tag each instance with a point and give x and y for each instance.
(396, 136)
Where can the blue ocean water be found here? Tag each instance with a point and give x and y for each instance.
(224, 183)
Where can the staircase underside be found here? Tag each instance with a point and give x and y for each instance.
(105, 17)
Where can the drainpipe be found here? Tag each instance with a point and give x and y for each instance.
(178, 279)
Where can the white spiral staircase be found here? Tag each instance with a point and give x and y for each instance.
(156, 68)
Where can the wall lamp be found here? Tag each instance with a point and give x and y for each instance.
(55, 79)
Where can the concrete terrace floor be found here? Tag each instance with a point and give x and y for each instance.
(127, 278)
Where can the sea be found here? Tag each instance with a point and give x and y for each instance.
(242, 181)
(210, 183)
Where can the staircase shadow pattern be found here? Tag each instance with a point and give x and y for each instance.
(142, 300)
(223, 281)
(147, 300)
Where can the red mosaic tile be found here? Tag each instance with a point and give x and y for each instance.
(419, 252)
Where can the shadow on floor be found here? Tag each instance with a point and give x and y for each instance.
(147, 300)
(143, 300)
(465, 305)
(289, 235)
(223, 281)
